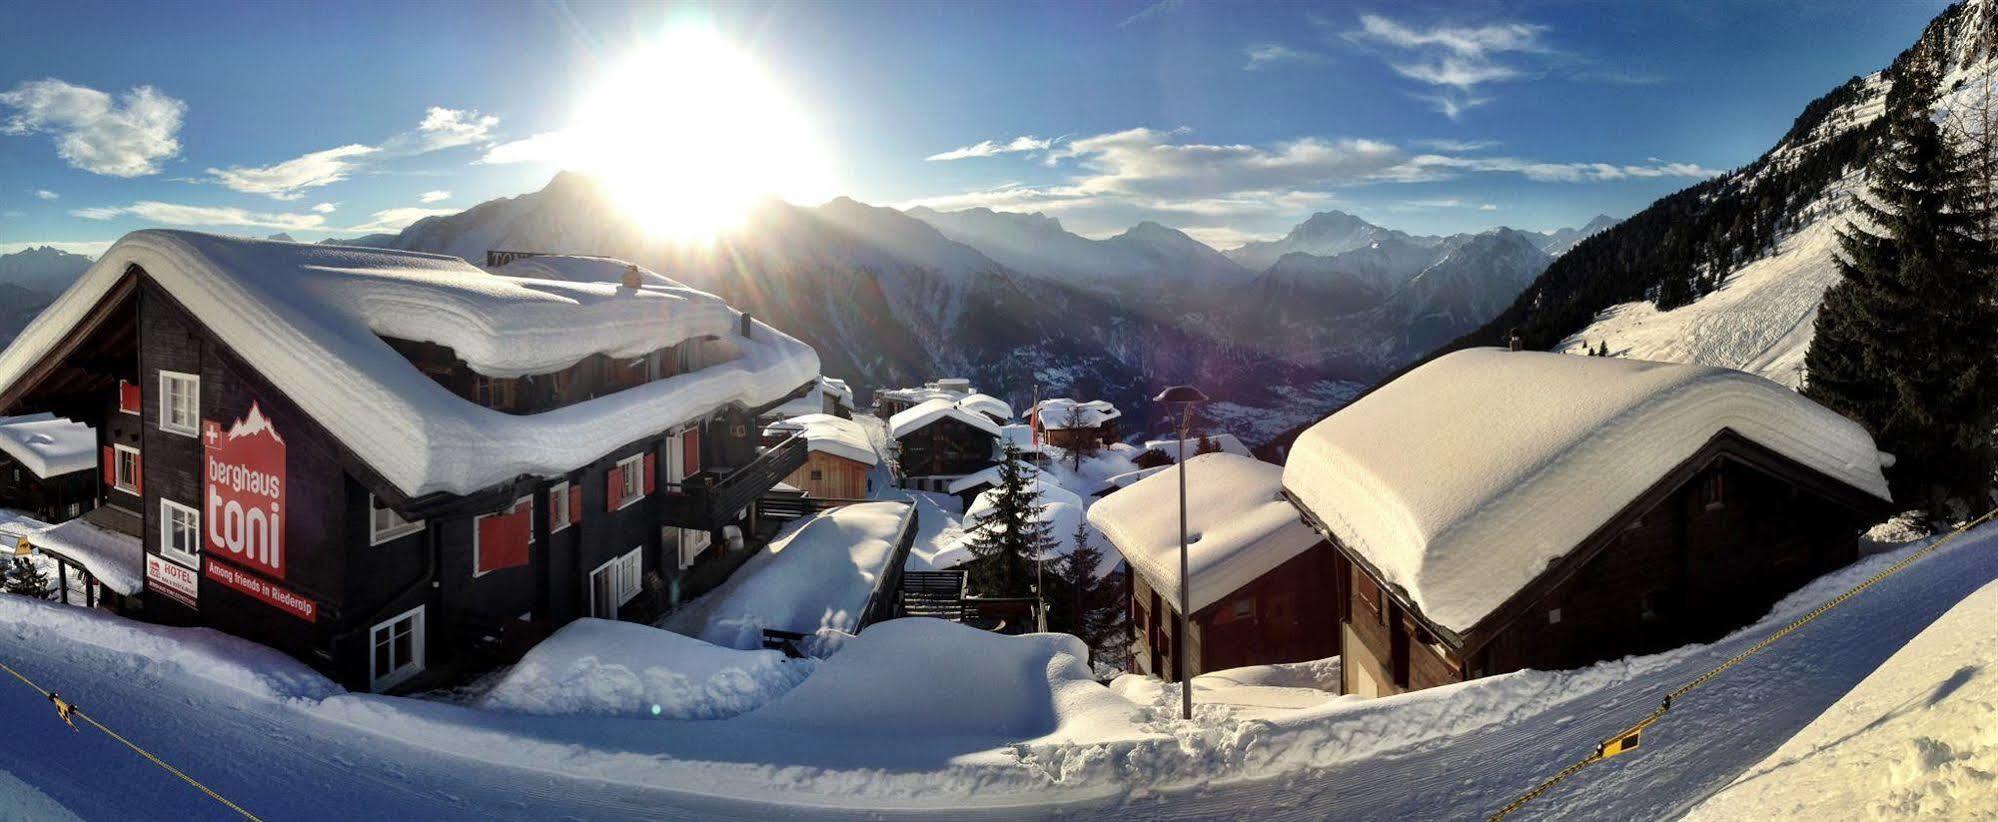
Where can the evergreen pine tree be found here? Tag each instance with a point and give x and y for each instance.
(1206, 445)
(1011, 537)
(27, 579)
(1093, 607)
(1905, 341)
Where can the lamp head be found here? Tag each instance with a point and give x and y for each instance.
(1181, 395)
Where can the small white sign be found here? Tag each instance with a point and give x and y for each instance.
(174, 580)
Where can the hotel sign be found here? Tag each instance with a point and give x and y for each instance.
(176, 581)
(244, 511)
(263, 590)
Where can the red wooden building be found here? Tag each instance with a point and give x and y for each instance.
(384, 463)
(1262, 583)
(1495, 510)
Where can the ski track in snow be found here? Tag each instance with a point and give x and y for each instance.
(1450, 753)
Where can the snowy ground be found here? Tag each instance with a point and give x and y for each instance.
(818, 575)
(902, 724)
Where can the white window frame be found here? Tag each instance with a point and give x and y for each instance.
(625, 571)
(378, 535)
(558, 495)
(690, 543)
(168, 509)
(631, 476)
(167, 423)
(118, 478)
(413, 666)
(476, 543)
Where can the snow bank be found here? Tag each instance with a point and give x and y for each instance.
(820, 575)
(115, 559)
(1227, 443)
(49, 445)
(1919, 737)
(922, 414)
(600, 667)
(828, 434)
(310, 318)
(1061, 413)
(165, 652)
(932, 677)
(1239, 526)
(1461, 480)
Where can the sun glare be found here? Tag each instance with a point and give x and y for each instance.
(688, 134)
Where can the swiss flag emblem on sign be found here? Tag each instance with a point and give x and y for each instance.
(244, 510)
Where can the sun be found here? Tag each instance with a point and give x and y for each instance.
(688, 133)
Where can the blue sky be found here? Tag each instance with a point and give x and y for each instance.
(1228, 120)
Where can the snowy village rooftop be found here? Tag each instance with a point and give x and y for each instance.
(1460, 481)
(929, 411)
(49, 445)
(1062, 413)
(311, 319)
(828, 434)
(1239, 526)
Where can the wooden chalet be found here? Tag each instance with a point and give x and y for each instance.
(838, 460)
(383, 463)
(1066, 423)
(891, 401)
(1262, 584)
(48, 466)
(937, 442)
(1493, 511)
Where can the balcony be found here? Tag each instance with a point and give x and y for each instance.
(711, 499)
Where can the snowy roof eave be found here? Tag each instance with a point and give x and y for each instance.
(306, 319)
(921, 415)
(47, 445)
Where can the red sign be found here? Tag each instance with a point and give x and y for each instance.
(272, 594)
(245, 479)
(176, 581)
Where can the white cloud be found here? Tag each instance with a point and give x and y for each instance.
(1265, 54)
(991, 148)
(397, 219)
(325, 208)
(1453, 145)
(287, 180)
(1562, 172)
(433, 196)
(46, 194)
(153, 211)
(1154, 11)
(550, 148)
(1456, 59)
(1488, 207)
(125, 137)
(450, 127)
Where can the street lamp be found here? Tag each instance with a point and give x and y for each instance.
(1184, 396)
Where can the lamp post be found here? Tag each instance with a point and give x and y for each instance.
(1184, 396)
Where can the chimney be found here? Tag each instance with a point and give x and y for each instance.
(745, 325)
(1518, 342)
(631, 276)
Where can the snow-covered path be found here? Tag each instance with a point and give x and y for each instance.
(1455, 752)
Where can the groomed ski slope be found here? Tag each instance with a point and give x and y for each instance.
(287, 749)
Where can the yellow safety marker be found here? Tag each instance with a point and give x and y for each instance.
(1628, 740)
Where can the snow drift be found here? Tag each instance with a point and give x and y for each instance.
(600, 667)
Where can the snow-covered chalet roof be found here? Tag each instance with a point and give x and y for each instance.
(113, 558)
(990, 476)
(310, 318)
(49, 445)
(916, 417)
(1462, 480)
(1228, 443)
(987, 404)
(1239, 526)
(1061, 413)
(828, 434)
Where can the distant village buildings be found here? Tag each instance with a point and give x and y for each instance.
(1067, 423)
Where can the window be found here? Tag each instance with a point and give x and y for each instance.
(180, 403)
(614, 583)
(501, 393)
(690, 542)
(558, 506)
(180, 533)
(395, 650)
(125, 468)
(385, 524)
(1553, 616)
(818, 474)
(631, 479)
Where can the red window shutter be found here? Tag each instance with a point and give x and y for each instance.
(128, 397)
(575, 504)
(613, 487)
(503, 540)
(109, 459)
(692, 443)
(651, 472)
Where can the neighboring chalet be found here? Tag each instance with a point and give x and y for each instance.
(891, 401)
(1498, 510)
(1263, 585)
(938, 441)
(1065, 423)
(839, 460)
(829, 396)
(48, 465)
(990, 406)
(1156, 453)
(396, 466)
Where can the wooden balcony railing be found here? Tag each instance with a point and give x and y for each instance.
(710, 499)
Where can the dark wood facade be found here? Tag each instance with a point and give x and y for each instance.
(947, 448)
(49, 499)
(1708, 549)
(1280, 616)
(469, 581)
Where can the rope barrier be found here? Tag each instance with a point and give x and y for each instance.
(68, 712)
(1629, 739)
